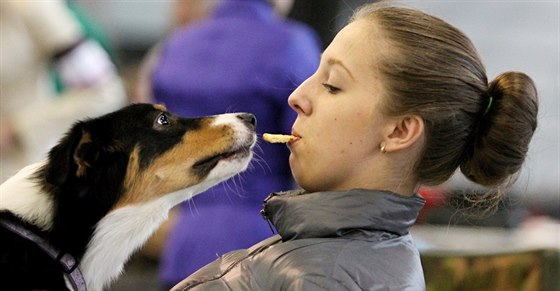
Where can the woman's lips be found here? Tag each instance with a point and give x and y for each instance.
(297, 138)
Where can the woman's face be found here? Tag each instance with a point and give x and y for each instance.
(339, 116)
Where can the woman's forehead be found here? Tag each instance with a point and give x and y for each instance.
(354, 48)
(354, 42)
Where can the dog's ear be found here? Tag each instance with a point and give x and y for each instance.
(85, 153)
(71, 156)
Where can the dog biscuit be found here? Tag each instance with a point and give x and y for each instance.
(278, 138)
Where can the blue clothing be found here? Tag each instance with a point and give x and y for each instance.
(243, 58)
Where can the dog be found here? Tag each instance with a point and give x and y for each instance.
(106, 187)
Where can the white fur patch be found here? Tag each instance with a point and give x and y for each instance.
(120, 233)
(116, 237)
(24, 198)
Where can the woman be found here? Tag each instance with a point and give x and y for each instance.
(400, 99)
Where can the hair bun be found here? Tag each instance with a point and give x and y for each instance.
(504, 131)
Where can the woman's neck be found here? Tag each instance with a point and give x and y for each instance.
(393, 173)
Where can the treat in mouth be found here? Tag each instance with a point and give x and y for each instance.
(278, 138)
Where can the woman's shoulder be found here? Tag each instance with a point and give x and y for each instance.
(339, 261)
(311, 262)
(336, 250)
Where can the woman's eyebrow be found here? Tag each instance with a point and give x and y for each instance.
(332, 61)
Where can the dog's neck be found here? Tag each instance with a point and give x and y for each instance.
(121, 232)
(116, 237)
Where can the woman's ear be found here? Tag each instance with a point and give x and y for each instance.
(403, 133)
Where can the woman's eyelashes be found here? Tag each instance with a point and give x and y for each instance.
(330, 88)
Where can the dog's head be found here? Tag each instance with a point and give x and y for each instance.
(142, 152)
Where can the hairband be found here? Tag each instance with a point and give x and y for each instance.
(490, 99)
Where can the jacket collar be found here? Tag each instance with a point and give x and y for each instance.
(298, 215)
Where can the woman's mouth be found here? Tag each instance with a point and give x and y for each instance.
(297, 137)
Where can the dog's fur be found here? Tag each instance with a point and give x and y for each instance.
(107, 186)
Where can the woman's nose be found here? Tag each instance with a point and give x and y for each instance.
(299, 100)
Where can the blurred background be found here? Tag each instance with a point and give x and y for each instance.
(510, 35)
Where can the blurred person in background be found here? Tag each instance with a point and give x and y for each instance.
(37, 38)
(244, 56)
(184, 13)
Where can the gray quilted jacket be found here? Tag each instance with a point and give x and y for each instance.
(352, 240)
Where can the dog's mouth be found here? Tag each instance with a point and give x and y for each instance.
(212, 161)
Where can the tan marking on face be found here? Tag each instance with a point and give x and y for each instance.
(173, 170)
(160, 107)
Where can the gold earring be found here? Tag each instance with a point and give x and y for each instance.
(382, 149)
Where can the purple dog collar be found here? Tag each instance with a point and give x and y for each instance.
(68, 263)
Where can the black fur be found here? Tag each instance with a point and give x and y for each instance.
(23, 265)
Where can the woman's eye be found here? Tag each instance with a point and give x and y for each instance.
(163, 119)
(331, 89)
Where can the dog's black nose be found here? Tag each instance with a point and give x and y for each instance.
(249, 119)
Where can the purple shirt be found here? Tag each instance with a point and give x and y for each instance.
(243, 59)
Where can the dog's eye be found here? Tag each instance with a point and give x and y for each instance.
(162, 119)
